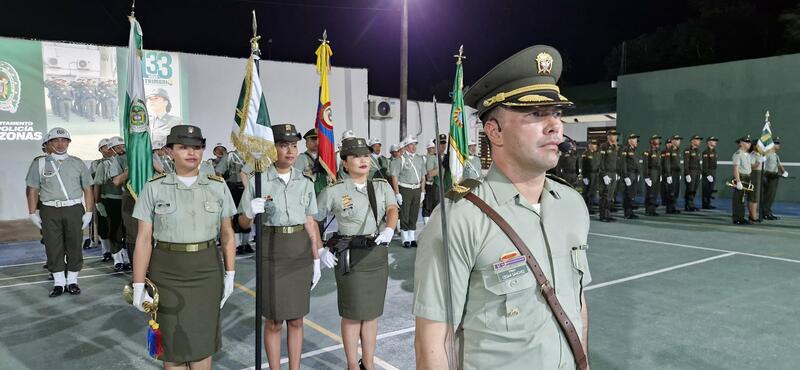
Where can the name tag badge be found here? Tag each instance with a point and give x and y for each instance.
(510, 268)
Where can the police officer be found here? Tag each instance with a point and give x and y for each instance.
(230, 168)
(609, 154)
(99, 225)
(291, 243)
(102, 217)
(113, 184)
(651, 165)
(629, 170)
(503, 321)
(55, 184)
(567, 167)
(671, 173)
(360, 206)
(742, 168)
(408, 178)
(90, 100)
(691, 172)
(184, 212)
(472, 167)
(378, 164)
(432, 177)
(709, 171)
(159, 107)
(590, 167)
(757, 160)
(773, 171)
(66, 95)
(219, 151)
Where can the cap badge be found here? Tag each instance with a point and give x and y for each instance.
(190, 129)
(544, 63)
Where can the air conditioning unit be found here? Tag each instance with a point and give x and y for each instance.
(381, 109)
(83, 64)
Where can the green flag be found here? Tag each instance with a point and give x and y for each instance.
(135, 125)
(765, 144)
(251, 133)
(458, 150)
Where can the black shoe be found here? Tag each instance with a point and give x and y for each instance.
(248, 249)
(754, 221)
(57, 291)
(107, 257)
(119, 267)
(413, 244)
(127, 267)
(239, 250)
(631, 216)
(406, 245)
(361, 365)
(87, 244)
(50, 276)
(73, 289)
(773, 217)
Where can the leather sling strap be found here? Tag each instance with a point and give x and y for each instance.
(547, 291)
(373, 204)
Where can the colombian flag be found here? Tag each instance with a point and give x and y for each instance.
(324, 121)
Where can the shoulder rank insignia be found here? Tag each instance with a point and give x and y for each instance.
(337, 182)
(216, 178)
(379, 179)
(156, 177)
(559, 180)
(461, 189)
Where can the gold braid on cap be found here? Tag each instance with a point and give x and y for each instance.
(500, 97)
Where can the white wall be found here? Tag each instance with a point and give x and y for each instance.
(577, 131)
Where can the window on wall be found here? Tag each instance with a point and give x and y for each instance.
(598, 133)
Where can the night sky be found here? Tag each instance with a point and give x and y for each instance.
(363, 33)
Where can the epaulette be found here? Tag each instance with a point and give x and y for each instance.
(309, 178)
(39, 156)
(379, 179)
(156, 177)
(337, 182)
(216, 178)
(559, 180)
(462, 189)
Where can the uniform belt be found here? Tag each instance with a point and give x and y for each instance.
(286, 229)
(184, 247)
(111, 196)
(408, 186)
(62, 203)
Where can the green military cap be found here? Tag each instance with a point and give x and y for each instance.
(655, 137)
(310, 134)
(285, 132)
(163, 94)
(676, 137)
(354, 146)
(696, 137)
(633, 136)
(442, 138)
(712, 138)
(186, 135)
(612, 132)
(526, 79)
(776, 140)
(745, 138)
(592, 141)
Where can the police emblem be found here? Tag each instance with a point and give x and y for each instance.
(544, 63)
(190, 129)
(137, 117)
(10, 88)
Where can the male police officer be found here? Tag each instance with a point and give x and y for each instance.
(629, 170)
(709, 171)
(55, 184)
(691, 172)
(590, 165)
(379, 165)
(482, 279)
(671, 173)
(567, 167)
(773, 171)
(651, 166)
(229, 167)
(472, 167)
(432, 177)
(609, 154)
(408, 178)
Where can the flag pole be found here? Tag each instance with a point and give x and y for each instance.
(254, 50)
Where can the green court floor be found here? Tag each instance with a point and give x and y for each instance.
(688, 291)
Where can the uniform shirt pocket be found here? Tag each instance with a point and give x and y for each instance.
(163, 210)
(582, 276)
(512, 300)
(212, 206)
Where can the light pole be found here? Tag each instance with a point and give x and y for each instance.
(404, 71)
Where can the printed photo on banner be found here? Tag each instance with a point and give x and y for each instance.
(81, 93)
(162, 83)
(21, 113)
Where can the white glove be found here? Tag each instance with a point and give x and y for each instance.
(399, 198)
(648, 182)
(257, 206)
(688, 178)
(638, 177)
(385, 237)
(628, 181)
(101, 209)
(421, 197)
(228, 287)
(739, 185)
(762, 158)
(317, 274)
(586, 181)
(328, 259)
(785, 173)
(669, 180)
(87, 219)
(36, 219)
(606, 180)
(140, 296)
(710, 178)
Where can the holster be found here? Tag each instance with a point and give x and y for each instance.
(340, 246)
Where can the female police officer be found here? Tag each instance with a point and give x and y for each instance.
(291, 243)
(360, 206)
(183, 212)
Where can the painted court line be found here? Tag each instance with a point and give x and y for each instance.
(46, 274)
(659, 271)
(321, 330)
(696, 247)
(50, 281)
(42, 262)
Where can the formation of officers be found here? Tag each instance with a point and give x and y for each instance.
(87, 97)
(604, 171)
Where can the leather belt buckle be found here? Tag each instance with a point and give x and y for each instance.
(545, 287)
(192, 247)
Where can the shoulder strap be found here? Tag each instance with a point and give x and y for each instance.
(567, 328)
(373, 203)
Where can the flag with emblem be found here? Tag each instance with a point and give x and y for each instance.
(135, 123)
(765, 144)
(458, 151)
(324, 119)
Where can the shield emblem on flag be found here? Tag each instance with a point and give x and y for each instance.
(10, 88)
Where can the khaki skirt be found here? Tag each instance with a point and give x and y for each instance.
(288, 269)
(362, 292)
(190, 288)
